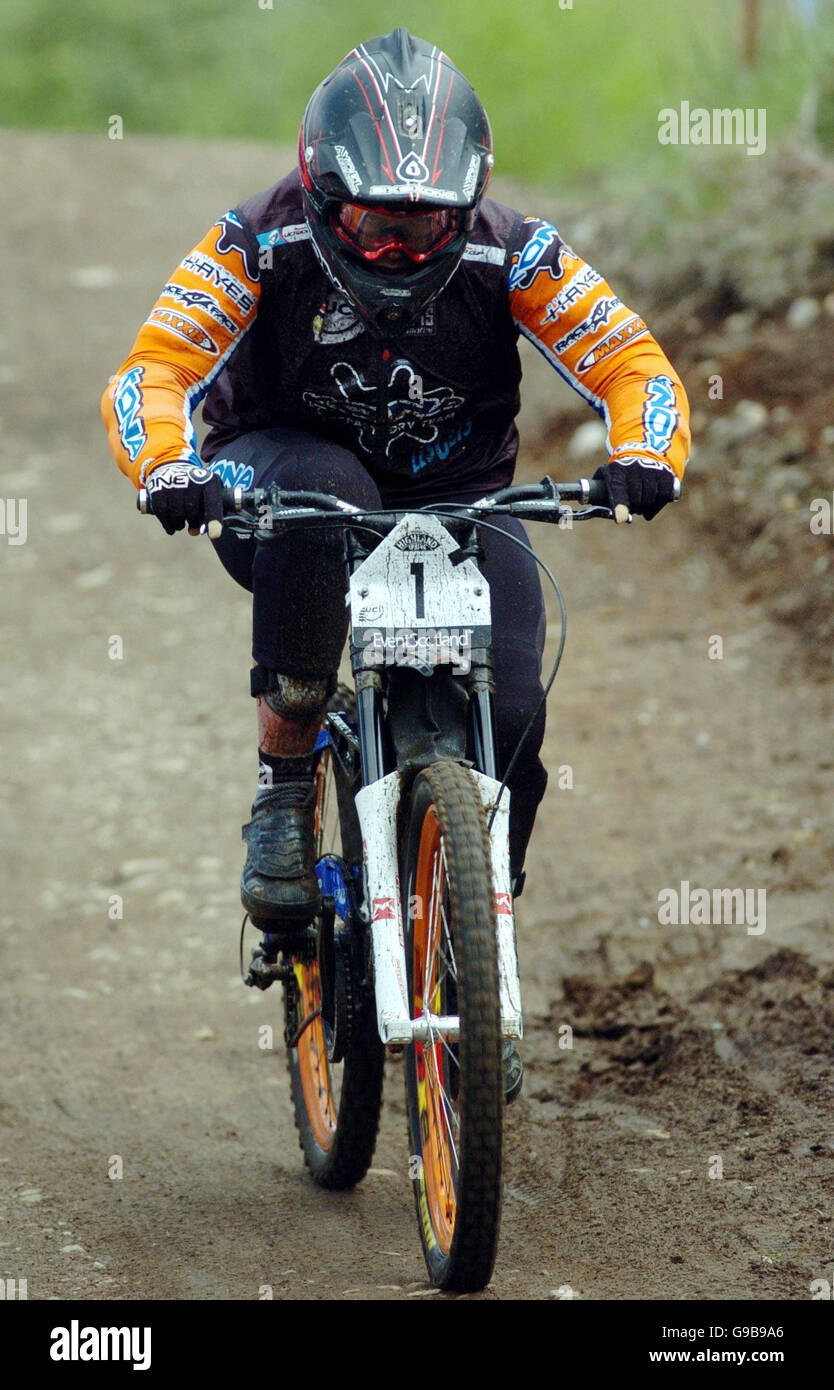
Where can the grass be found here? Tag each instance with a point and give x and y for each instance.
(570, 91)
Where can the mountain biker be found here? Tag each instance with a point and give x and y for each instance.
(353, 330)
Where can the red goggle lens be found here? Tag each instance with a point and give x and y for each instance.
(375, 231)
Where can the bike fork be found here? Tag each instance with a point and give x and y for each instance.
(377, 805)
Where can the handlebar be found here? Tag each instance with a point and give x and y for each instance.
(544, 501)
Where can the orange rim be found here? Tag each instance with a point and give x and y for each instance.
(313, 1067)
(433, 1103)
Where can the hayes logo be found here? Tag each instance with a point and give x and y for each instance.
(417, 540)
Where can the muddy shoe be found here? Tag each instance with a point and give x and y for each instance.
(513, 1071)
(278, 886)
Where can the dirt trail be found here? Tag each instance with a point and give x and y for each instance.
(132, 776)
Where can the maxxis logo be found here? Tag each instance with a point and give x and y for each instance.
(618, 338)
(186, 328)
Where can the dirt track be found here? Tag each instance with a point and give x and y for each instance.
(135, 1038)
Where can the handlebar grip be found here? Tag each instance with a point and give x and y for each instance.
(595, 492)
(232, 500)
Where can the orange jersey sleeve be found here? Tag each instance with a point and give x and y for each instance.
(207, 305)
(599, 346)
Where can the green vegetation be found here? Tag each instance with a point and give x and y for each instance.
(570, 91)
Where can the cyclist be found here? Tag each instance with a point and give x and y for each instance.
(353, 330)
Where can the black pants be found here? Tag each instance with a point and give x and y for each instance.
(300, 621)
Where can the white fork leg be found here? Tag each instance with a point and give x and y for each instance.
(377, 808)
(510, 987)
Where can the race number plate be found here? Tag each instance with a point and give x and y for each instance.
(411, 606)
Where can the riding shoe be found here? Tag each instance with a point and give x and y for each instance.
(278, 884)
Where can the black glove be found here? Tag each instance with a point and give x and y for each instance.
(643, 485)
(184, 494)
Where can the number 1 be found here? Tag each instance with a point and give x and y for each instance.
(417, 568)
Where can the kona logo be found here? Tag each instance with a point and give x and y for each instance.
(127, 404)
(417, 540)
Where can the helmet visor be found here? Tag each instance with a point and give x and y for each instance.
(373, 232)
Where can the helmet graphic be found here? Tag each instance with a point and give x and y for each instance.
(395, 152)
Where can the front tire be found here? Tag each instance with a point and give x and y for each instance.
(454, 1091)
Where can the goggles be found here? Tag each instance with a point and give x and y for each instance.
(375, 231)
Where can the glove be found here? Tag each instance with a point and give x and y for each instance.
(184, 494)
(640, 485)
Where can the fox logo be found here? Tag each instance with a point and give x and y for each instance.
(233, 238)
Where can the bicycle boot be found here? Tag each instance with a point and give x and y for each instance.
(278, 886)
(513, 1071)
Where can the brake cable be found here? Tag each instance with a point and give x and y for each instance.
(563, 612)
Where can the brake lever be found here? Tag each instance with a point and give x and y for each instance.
(585, 513)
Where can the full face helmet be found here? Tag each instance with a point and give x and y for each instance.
(395, 152)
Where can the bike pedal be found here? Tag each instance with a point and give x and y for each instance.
(264, 970)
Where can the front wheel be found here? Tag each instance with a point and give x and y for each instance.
(454, 1087)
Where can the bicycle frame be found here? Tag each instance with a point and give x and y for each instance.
(434, 613)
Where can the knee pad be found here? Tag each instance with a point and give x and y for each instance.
(291, 697)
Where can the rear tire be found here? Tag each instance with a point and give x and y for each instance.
(454, 1092)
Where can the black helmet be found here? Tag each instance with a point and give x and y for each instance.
(395, 151)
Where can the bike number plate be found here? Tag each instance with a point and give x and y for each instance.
(411, 606)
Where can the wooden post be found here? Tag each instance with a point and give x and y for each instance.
(749, 32)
